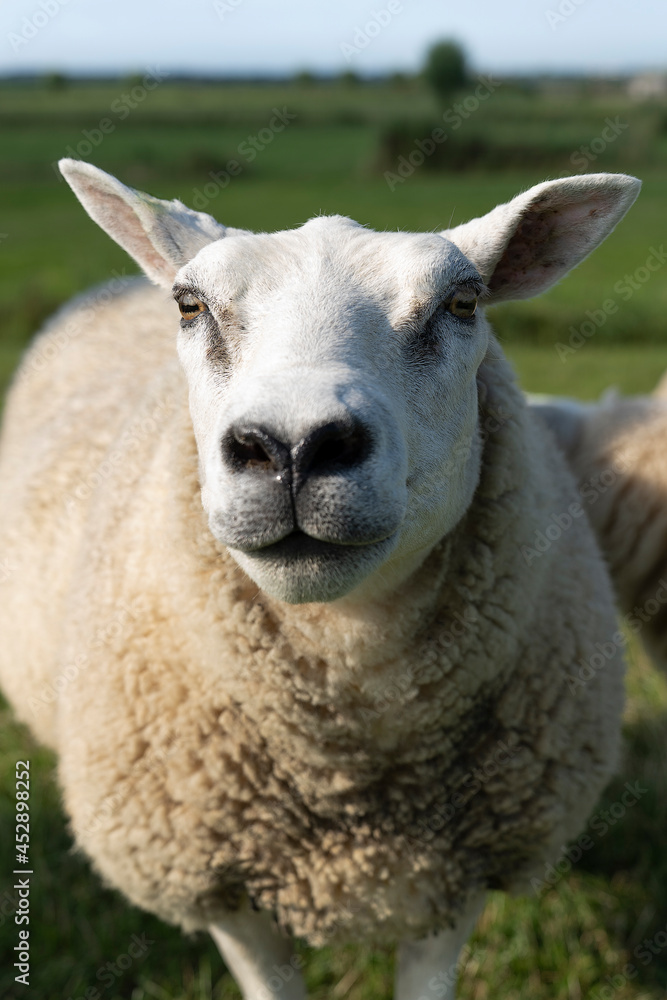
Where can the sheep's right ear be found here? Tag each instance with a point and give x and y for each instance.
(522, 248)
(162, 236)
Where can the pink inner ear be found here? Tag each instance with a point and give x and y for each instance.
(118, 219)
(531, 250)
(547, 243)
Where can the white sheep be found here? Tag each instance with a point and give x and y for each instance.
(300, 672)
(616, 450)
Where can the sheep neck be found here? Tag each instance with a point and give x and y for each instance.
(358, 681)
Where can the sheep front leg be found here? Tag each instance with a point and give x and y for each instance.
(260, 958)
(429, 968)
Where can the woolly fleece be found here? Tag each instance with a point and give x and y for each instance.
(318, 757)
(616, 450)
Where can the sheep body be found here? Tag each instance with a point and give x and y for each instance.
(615, 448)
(318, 757)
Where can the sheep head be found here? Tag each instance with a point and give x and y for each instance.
(332, 369)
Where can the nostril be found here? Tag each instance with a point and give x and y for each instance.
(336, 450)
(254, 448)
(336, 445)
(332, 447)
(249, 452)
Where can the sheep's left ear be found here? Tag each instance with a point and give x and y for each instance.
(525, 246)
(161, 236)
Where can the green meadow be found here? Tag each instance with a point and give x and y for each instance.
(594, 931)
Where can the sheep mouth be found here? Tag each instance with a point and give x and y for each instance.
(299, 545)
(299, 568)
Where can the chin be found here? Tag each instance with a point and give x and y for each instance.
(303, 570)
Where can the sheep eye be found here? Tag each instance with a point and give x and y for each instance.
(463, 305)
(190, 306)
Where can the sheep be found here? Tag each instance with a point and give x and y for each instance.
(272, 600)
(615, 449)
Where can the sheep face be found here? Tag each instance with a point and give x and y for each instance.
(334, 401)
(332, 369)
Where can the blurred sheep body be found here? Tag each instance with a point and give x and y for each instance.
(616, 450)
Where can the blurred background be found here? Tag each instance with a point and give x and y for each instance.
(411, 115)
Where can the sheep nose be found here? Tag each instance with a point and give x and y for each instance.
(254, 448)
(336, 446)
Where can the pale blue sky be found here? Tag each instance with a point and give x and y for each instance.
(275, 36)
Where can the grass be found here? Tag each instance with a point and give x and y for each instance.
(582, 934)
(592, 370)
(327, 159)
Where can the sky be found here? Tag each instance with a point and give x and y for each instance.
(246, 37)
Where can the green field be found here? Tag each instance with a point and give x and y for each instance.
(579, 940)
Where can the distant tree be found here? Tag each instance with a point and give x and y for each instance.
(55, 81)
(305, 78)
(133, 80)
(445, 68)
(399, 80)
(350, 79)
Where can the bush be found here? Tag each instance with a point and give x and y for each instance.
(475, 149)
(445, 68)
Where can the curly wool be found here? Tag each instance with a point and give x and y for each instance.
(618, 457)
(359, 769)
